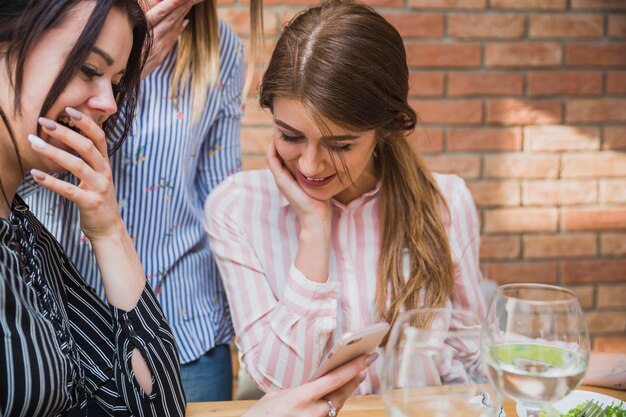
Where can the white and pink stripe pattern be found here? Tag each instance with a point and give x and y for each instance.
(285, 322)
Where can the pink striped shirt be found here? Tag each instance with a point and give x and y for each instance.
(285, 322)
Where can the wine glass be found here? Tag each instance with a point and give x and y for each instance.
(432, 366)
(535, 343)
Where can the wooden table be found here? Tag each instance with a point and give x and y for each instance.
(361, 406)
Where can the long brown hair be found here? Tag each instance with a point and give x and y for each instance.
(198, 52)
(347, 65)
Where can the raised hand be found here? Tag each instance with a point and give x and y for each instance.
(86, 157)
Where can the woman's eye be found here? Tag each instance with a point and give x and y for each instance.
(341, 148)
(287, 138)
(90, 72)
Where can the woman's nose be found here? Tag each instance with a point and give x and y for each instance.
(104, 101)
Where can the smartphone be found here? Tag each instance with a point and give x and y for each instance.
(352, 344)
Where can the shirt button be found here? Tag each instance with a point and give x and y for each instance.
(132, 333)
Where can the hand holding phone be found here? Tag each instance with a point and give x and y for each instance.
(350, 345)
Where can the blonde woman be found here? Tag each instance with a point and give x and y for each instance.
(347, 227)
(183, 142)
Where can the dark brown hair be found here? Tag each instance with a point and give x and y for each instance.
(346, 64)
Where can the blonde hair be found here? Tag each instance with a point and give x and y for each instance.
(198, 53)
(347, 64)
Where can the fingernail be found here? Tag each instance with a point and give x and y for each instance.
(371, 358)
(37, 142)
(37, 174)
(47, 123)
(362, 376)
(73, 113)
(185, 23)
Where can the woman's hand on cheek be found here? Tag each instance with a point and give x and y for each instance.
(308, 209)
(95, 193)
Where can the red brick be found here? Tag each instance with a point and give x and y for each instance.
(616, 82)
(585, 295)
(255, 139)
(253, 162)
(596, 270)
(417, 25)
(448, 4)
(448, 111)
(307, 3)
(487, 26)
(520, 220)
(566, 26)
(426, 84)
(609, 344)
(614, 137)
(538, 272)
(522, 54)
(594, 165)
(613, 191)
(427, 140)
(240, 21)
(499, 247)
(612, 295)
(559, 246)
(467, 167)
(523, 112)
(596, 110)
(594, 219)
(574, 83)
(613, 244)
(529, 4)
(225, 2)
(253, 114)
(617, 26)
(495, 193)
(434, 55)
(485, 83)
(521, 166)
(599, 4)
(485, 139)
(596, 55)
(559, 192)
(601, 322)
(557, 138)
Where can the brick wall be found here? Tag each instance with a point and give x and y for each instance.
(526, 100)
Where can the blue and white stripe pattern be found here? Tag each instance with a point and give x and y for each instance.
(163, 174)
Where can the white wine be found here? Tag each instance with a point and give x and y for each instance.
(535, 374)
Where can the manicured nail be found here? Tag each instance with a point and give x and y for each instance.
(73, 113)
(371, 358)
(37, 142)
(47, 123)
(185, 23)
(37, 174)
(362, 376)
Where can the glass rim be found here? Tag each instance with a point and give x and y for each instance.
(520, 285)
(475, 328)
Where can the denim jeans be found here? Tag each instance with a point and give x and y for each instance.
(210, 377)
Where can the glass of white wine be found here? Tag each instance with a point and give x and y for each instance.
(432, 366)
(535, 343)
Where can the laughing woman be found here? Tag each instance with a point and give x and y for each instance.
(348, 226)
(66, 67)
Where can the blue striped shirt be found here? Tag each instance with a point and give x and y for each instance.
(163, 174)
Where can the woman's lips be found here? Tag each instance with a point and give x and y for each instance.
(315, 182)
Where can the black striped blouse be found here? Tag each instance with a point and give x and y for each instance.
(60, 344)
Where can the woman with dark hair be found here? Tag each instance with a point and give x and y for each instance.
(347, 227)
(67, 66)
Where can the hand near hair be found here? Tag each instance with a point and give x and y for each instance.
(311, 399)
(167, 22)
(314, 216)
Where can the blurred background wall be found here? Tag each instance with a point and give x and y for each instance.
(526, 100)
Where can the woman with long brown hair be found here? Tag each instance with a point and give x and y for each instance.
(347, 227)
